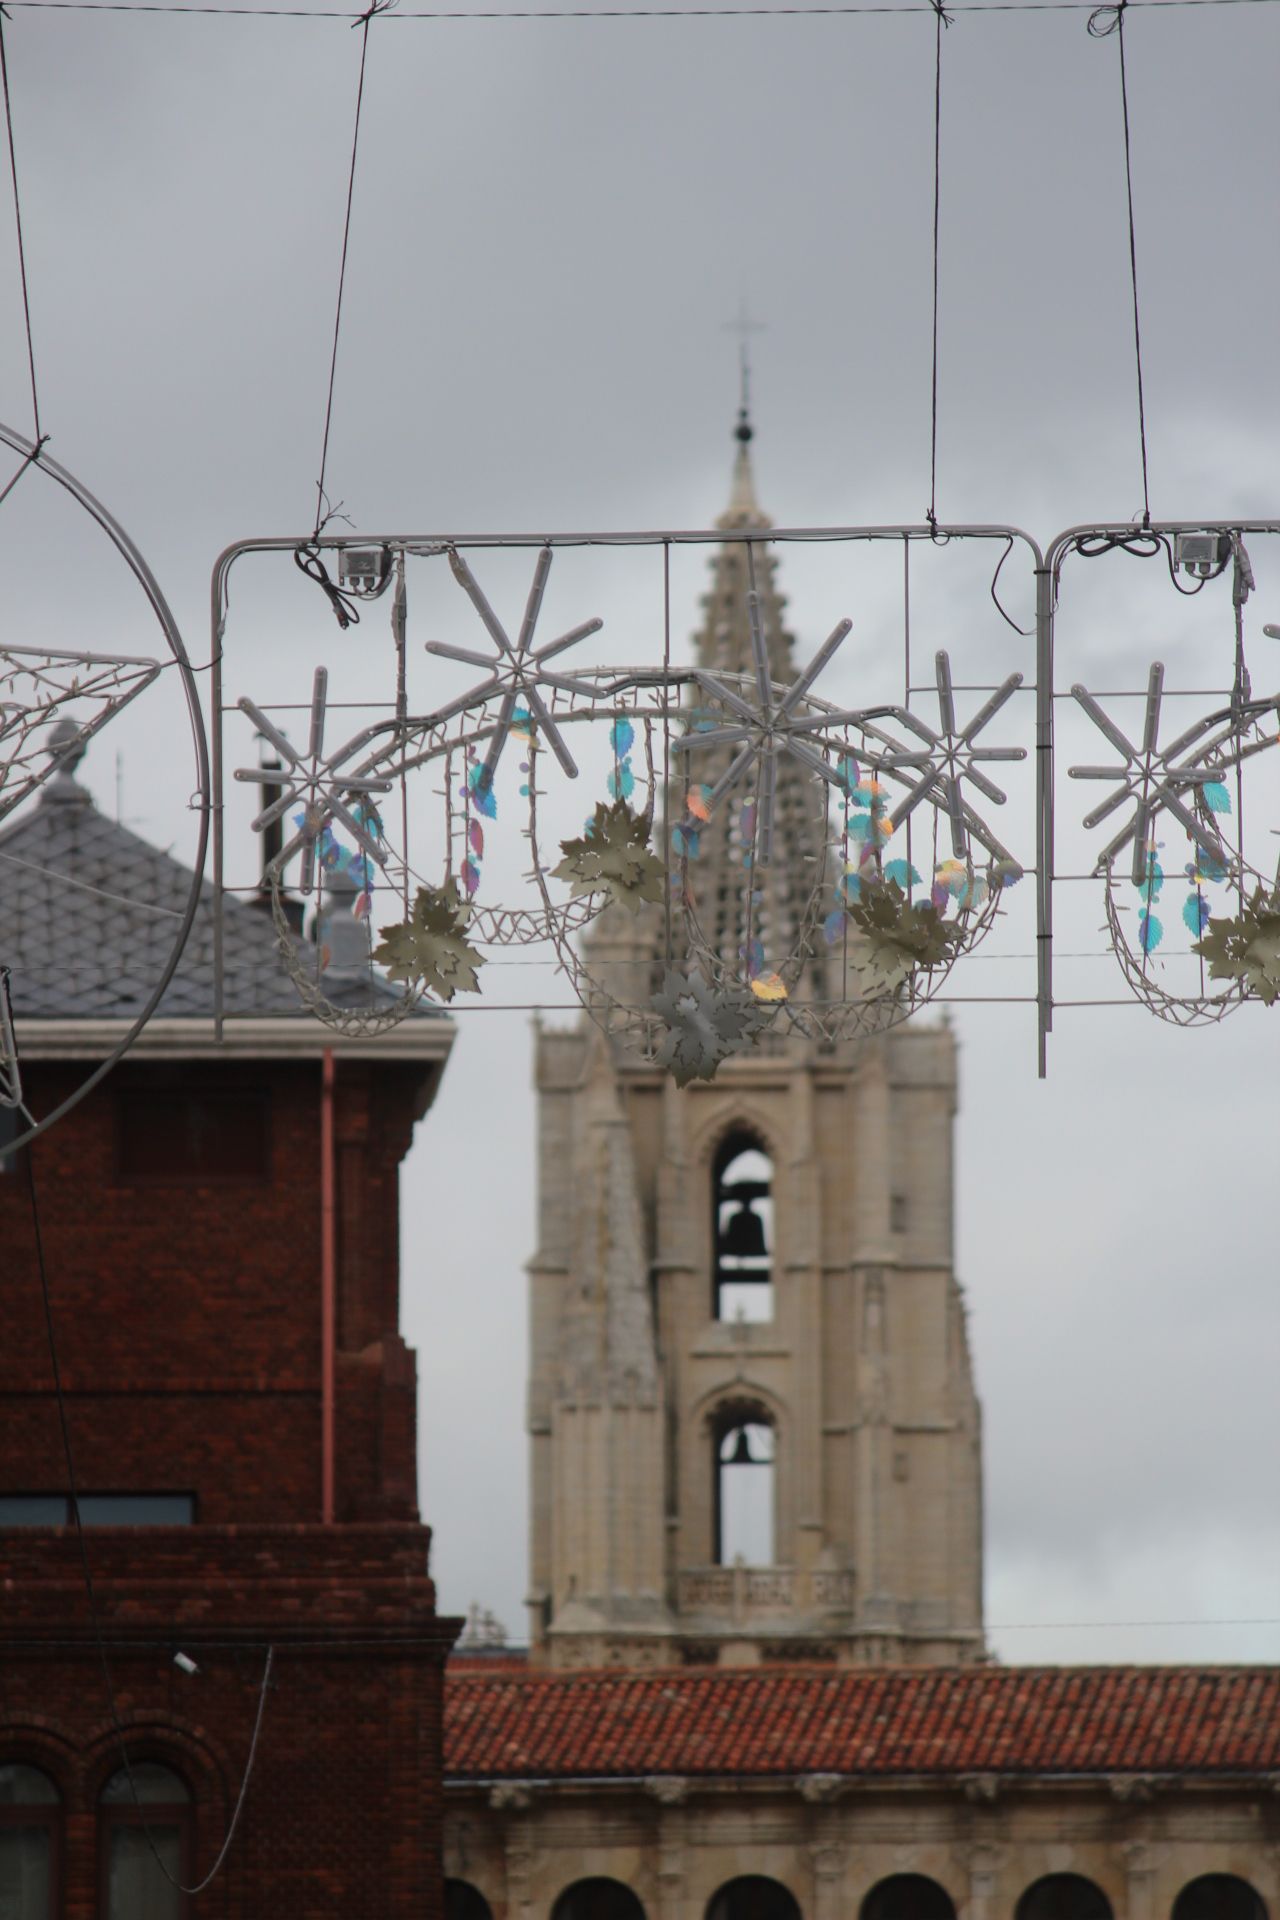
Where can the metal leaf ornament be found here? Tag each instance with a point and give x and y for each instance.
(705, 1025)
(900, 934)
(431, 946)
(614, 855)
(1246, 947)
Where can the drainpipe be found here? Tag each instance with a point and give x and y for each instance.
(328, 1287)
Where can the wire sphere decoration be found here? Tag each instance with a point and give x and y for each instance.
(113, 681)
(1218, 874)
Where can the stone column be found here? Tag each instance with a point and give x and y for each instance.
(519, 1847)
(984, 1879)
(670, 1791)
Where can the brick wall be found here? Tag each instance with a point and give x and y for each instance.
(187, 1315)
(343, 1813)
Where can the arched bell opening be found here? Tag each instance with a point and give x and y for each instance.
(745, 1456)
(742, 1230)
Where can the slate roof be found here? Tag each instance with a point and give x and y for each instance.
(89, 912)
(877, 1723)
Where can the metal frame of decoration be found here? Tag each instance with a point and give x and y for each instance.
(522, 691)
(924, 752)
(113, 680)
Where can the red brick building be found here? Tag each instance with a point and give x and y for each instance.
(220, 1232)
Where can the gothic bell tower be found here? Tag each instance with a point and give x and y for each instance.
(754, 1429)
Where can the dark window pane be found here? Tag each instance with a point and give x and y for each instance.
(908, 1896)
(753, 1897)
(137, 1889)
(597, 1900)
(26, 1787)
(26, 1873)
(217, 1133)
(137, 1509)
(1219, 1896)
(1064, 1896)
(33, 1510)
(462, 1901)
(155, 1786)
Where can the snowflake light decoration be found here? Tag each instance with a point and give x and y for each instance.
(950, 758)
(518, 672)
(767, 726)
(1154, 778)
(315, 781)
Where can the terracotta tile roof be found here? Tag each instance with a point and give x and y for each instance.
(888, 1721)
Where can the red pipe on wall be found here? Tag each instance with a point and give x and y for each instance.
(328, 1286)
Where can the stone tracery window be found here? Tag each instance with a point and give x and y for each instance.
(30, 1821)
(742, 1230)
(745, 1468)
(908, 1896)
(1219, 1896)
(1064, 1896)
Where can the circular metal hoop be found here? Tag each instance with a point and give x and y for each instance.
(35, 456)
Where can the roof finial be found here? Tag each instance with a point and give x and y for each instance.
(744, 327)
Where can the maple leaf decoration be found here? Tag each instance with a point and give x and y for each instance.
(614, 855)
(705, 1024)
(431, 946)
(1246, 947)
(900, 935)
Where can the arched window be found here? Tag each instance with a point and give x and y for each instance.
(29, 1820)
(462, 1901)
(745, 1469)
(599, 1899)
(743, 1231)
(908, 1896)
(146, 1843)
(1219, 1896)
(1064, 1896)
(753, 1897)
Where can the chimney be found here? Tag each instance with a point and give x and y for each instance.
(272, 845)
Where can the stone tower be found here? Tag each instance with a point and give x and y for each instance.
(754, 1430)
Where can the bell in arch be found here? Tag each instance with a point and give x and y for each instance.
(742, 1236)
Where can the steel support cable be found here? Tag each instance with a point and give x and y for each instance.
(605, 13)
(323, 512)
(1102, 22)
(942, 19)
(22, 252)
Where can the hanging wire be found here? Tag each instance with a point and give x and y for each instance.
(942, 19)
(1102, 22)
(323, 512)
(606, 13)
(38, 436)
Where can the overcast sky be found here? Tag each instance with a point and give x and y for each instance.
(552, 223)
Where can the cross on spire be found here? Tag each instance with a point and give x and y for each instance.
(744, 326)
